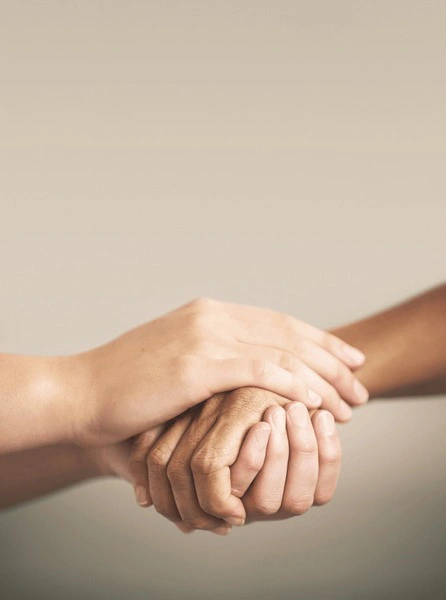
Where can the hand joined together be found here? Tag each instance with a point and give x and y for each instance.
(218, 414)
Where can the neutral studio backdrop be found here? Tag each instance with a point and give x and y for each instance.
(287, 154)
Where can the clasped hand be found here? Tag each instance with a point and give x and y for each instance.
(210, 459)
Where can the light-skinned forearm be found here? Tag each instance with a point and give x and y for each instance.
(405, 347)
(37, 400)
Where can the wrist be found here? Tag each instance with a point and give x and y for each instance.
(98, 461)
(39, 400)
(79, 383)
(72, 387)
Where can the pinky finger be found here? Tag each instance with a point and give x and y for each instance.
(138, 464)
(250, 459)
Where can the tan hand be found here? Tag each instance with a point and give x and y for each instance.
(206, 461)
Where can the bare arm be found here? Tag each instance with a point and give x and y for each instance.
(405, 347)
(406, 355)
(112, 392)
(31, 473)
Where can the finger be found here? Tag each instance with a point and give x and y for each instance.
(250, 459)
(157, 462)
(330, 456)
(233, 373)
(316, 357)
(212, 461)
(253, 315)
(334, 372)
(264, 498)
(223, 530)
(198, 378)
(184, 528)
(138, 464)
(330, 398)
(302, 474)
(179, 472)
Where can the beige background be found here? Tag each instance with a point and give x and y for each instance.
(288, 154)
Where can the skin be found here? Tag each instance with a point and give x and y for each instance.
(405, 347)
(157, 371)
(394, 368)
(179, 464)
(31, 473)
(188, 476)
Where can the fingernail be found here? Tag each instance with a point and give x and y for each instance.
(279, 419)
(345, 410)
(360, 391)
(223, 530)
(236, 521)
(354, 356)
(326, 423)
(315, 399)
(299, 415)
(141, 495)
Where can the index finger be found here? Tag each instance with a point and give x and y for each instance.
(348, 354)
(250, 459)
(211, 468)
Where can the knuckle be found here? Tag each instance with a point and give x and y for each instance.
(307, 446)
(341, 374)
(298, 505)
(252, 463)
(302, 347)
(158, 458)
(289, 362)
(207, 301)
(267, 506)
(175, 472)
(206, 460)
(213, 506)
(323, 497)
(331, 456)
(201, 311)
(327, 340)
(199, 323)
(288, 323)
(332, 397)
(197, 522)
(202, 303)
(165, 511)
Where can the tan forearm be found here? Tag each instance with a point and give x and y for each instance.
(405, 346)
(32, 473)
